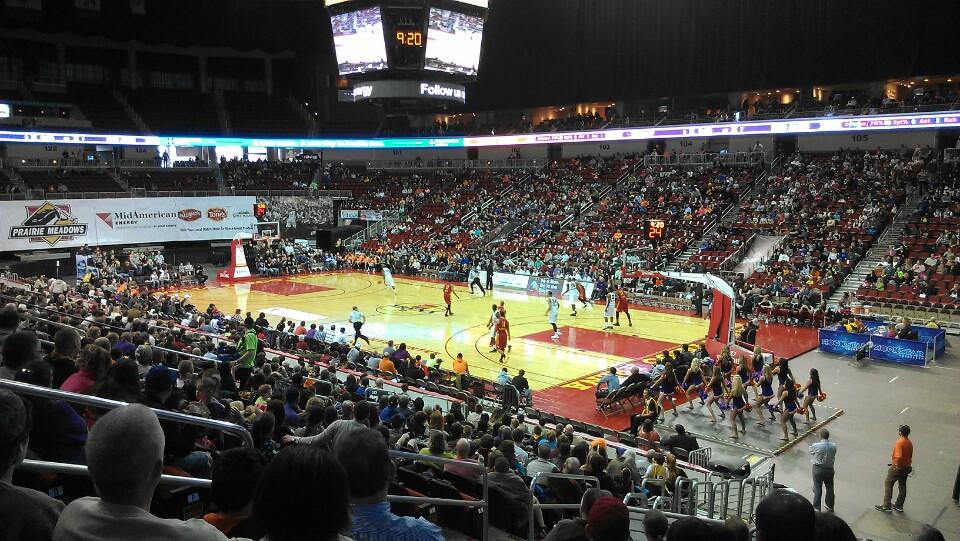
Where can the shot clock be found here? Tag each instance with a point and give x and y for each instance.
(654, 229)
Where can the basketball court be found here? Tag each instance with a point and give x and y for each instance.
(562, 373)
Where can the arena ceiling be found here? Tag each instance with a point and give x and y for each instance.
(564, 51)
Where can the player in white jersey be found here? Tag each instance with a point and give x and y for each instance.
(492, 325)
(572, 296)
(610, 311)
(388, 279)
(553, 310)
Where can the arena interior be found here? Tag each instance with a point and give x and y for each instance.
(479, 269)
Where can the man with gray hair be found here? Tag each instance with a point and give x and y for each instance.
(125, 458)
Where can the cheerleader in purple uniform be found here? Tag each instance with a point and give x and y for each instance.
(757, 364)
(811, 391)
(788, 407)
(783, 373)
(766, 394)
(746, 376)
(738, 404)
(716, 388)
(693, 383)
(667, 385)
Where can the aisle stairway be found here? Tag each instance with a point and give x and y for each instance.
(876, 254)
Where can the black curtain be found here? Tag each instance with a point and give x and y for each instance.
(562, 51)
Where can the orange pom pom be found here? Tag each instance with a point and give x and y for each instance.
(821, 397)
(802, 411)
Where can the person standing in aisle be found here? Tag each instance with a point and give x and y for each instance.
(358, 319)
(901, 464)
(489, 270)
(823, 455)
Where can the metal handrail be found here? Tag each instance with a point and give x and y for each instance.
(105, 403)
(534, 506)
(483, 503)
(44, 466)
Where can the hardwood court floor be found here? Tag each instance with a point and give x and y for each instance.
(562, 372)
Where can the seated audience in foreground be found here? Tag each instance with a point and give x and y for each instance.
(125, 457)
(25, 514)
(572, 529)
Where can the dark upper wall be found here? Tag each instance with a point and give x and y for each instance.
(564, 51)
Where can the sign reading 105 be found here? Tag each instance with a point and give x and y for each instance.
(410, 39)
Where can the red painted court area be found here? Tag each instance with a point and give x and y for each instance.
(602, 342)
(287, 288)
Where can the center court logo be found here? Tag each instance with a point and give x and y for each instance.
(48, 223)
(411, 309)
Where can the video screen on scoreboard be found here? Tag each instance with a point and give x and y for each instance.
(358, 41)
(453, 42)
(478, 3)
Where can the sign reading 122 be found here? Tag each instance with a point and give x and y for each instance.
(410, 39)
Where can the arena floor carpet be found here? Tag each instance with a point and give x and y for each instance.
(563, 373)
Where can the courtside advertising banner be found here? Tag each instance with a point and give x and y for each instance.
(70, 223)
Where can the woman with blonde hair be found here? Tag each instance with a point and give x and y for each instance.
(766, 394)
(738, 404)
(693, 383)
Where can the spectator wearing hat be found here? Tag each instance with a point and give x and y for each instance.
(609, 520)
(574, 529)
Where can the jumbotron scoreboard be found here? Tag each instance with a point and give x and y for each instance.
(408, 49)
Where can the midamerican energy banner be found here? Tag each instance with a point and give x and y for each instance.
(37, 225)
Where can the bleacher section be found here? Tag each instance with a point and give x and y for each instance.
(175, 111)
(71, 179)
(257, 114)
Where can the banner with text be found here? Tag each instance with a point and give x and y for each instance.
(36, 225)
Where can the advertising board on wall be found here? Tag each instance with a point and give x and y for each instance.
(69, 223)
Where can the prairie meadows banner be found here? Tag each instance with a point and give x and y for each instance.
(67, 223)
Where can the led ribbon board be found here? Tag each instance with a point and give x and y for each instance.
(919, 121)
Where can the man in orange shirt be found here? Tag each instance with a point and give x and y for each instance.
(900, 467)
(386, 365)
(460, 365)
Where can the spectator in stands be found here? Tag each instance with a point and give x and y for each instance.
(681, 440)
(234, 481)
(93, 363)
(63, 358)
(19, 348)
(655, 525)
(463, 455)
(59, 433)
(609, 520)
(610, 383)
(363, 453)
(574, 529)
(125, 457)
(541, 464)
(522, 385)
(506, 479)
(9, 321)
(25, 514)
(785, 515)
(356, 422)
(326, 502)
(690, 529)
(830, 527)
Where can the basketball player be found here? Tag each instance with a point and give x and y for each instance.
(474, 278)
(623, 305)
(503, 335)
(553, 310)
(388, 278)
(447, 292)
(492, 325)
(610, 310)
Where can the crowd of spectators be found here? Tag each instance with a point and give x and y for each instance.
(295, 174)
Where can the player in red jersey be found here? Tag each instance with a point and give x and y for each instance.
(623, 305)
(447, 292)
(503, 334)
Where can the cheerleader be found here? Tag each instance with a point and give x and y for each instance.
(693, 382)
(788, 407)
(746, 376)
(782, 370)
(667, 385)
(757, 364)
(725, 363)
(716, 388)
(766, 394)
(738, 403)
(811, 391)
